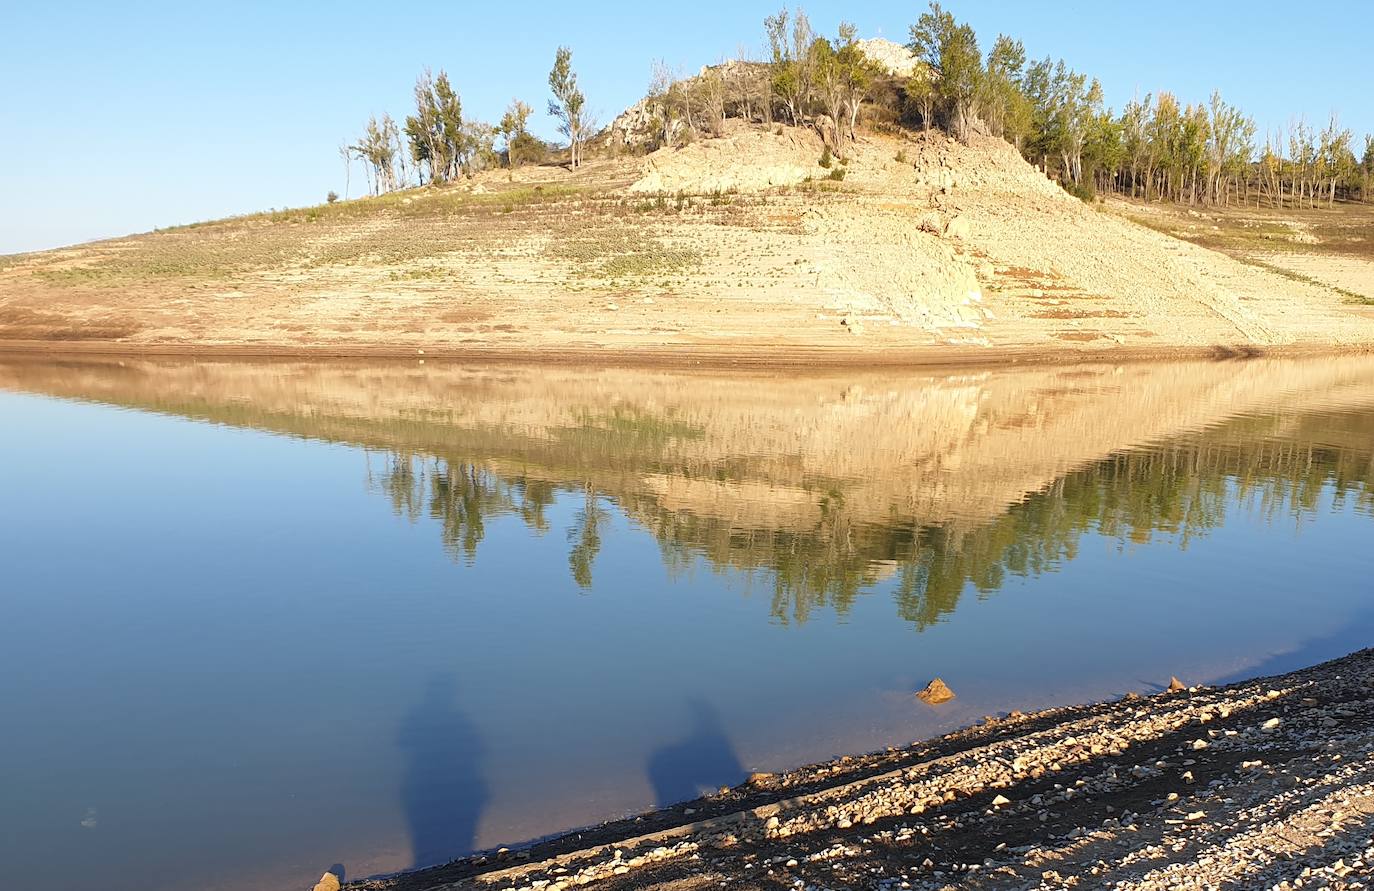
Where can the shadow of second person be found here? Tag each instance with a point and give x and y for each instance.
(443, 791)
(702, 761)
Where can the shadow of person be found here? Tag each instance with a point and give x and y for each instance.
(443, 790)
(704, 760)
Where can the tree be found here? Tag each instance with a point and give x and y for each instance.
(708, 95)
(921, 95)
(666, 94)
(951, 51)
(514, 131)
(450, 111)
(478, 147)
(435, 131)
(857, 73)
(380, 142)
(830, 88)
(1229, 144)
(1004, 105)
(793, 61)
(346, 155)
(1368, 165)
(568, 105)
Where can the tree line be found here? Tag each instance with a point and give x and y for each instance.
(438, 144)
(1156, 149)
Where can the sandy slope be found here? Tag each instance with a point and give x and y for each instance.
(733, 247)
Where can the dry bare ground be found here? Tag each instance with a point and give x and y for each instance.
(738, 247)
(1333, 244)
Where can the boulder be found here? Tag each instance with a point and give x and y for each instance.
(936, 693)
(327, 882)
(958, 227)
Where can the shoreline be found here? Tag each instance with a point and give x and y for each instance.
(739, 355)
(1261, 782)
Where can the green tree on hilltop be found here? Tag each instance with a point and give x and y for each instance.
(951, 52)
(568, 104)
(521, 146)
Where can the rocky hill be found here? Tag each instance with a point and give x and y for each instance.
(914, 247)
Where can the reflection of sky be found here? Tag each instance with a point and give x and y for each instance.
(211, 636)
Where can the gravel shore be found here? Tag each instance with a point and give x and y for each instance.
(1263, 784)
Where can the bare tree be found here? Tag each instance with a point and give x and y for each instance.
(347, 156)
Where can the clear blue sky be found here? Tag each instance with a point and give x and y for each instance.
(119, 117)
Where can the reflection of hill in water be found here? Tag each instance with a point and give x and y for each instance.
(826, 484)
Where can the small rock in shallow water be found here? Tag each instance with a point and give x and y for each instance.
(935, 693)
(327, 882)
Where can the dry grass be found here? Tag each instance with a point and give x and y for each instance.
(1255, 235)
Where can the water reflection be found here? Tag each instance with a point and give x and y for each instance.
(824, 486)
(1181, 488)
(675, 502)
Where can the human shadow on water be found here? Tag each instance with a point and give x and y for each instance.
(704, 759)
(443, 791)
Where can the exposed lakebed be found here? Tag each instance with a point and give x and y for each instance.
(264, 618)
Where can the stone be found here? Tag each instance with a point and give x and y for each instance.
(1001, 801)
(936, 692)
(958, 227)
(1176, 686)
(327, 882)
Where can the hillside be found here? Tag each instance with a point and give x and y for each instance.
(918, 248)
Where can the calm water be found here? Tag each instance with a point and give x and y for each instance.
(256, 620)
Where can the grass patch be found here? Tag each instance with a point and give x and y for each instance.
(620, 253)
(422, 273)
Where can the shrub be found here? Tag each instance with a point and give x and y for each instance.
(837, 174)
(825, 157)
(1084, 192)
(332, 197)
(901, 156)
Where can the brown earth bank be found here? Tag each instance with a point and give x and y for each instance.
(913, 248)
(1261, 784)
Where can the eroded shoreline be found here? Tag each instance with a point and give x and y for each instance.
(1262, 783)
(711, 357)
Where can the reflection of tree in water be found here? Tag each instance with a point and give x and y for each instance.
(586, 538)
(1277, 466)
(461, 496)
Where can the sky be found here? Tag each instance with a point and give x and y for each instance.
(122, 117)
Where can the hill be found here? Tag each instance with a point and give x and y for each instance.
(917, 247)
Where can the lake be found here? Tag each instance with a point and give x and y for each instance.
(262, 618)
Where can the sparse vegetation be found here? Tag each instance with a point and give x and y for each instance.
(618, 253)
